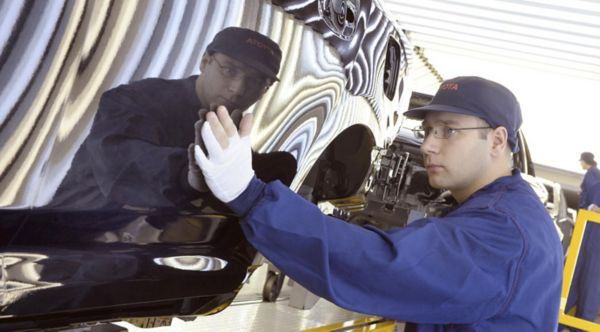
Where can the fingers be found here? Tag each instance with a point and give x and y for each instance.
(202, 113)
(236, 116)
(198, 130)
(222, 128)
(226, 121)
(211, 142)
(246, 125)
(191, 163)
(200, 157)
(216, 130)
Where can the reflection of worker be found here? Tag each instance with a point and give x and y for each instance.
(494, 263)
(136, 154)
(591, 177)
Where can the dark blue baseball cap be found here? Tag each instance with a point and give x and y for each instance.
(476, 96)
(250, 47)
(588, 157)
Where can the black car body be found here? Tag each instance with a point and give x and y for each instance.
(341, 92)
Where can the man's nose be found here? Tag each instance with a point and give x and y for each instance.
(431, 144)
(237, 85)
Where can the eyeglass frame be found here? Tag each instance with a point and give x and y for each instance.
(265, 82)
(446, 133)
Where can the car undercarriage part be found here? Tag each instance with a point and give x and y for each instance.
(396, 193)
(272, 286)
(398, 190)
(340, 16)
(342, 167)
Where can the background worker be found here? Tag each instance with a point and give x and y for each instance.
(136, 155)
(591, 178)
(494, 263)
(584, 294)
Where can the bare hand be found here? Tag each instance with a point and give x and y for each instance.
(195, 177)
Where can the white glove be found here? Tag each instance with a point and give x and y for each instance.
(226, 171)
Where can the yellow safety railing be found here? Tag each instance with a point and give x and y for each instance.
(583, 217)
(364, 324)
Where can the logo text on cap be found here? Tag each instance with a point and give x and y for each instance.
(449, 86)
(258, 44)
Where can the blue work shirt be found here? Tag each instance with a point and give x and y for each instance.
(492, 264)
(591, 177)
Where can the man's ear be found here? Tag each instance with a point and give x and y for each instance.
(204, 61)
(267, 87)
(499, 139)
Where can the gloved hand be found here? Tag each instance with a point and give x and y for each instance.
(228, 167)
(195, 178)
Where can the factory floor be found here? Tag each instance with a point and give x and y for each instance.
(249, 313)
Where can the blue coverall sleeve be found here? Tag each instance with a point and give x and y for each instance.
(433, 271)
(595, 194)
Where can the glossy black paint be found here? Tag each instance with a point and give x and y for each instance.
(103, 264)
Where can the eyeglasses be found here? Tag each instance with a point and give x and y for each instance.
(233, 73)
(441, 131)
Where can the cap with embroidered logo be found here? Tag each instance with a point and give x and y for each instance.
(476, 96)
(249, 47)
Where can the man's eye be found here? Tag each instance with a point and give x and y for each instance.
(257, 81)
(229, 71)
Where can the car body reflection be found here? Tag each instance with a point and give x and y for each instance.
(192, 263)
(342, 88)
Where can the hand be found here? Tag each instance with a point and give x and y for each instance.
(236, 117)
(594, 208)
(228, 167)
(195, 177)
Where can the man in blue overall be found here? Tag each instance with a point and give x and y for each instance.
(584, 294)
(591, 178)
(494, 263)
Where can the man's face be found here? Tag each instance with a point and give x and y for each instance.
(584, 165)
(460, 161)
(226, 81)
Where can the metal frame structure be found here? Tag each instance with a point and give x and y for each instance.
(583, 217)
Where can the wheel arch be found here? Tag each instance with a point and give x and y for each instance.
(342, 168)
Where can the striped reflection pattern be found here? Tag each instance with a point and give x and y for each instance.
(58, 57)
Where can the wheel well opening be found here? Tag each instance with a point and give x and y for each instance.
(342, 168)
